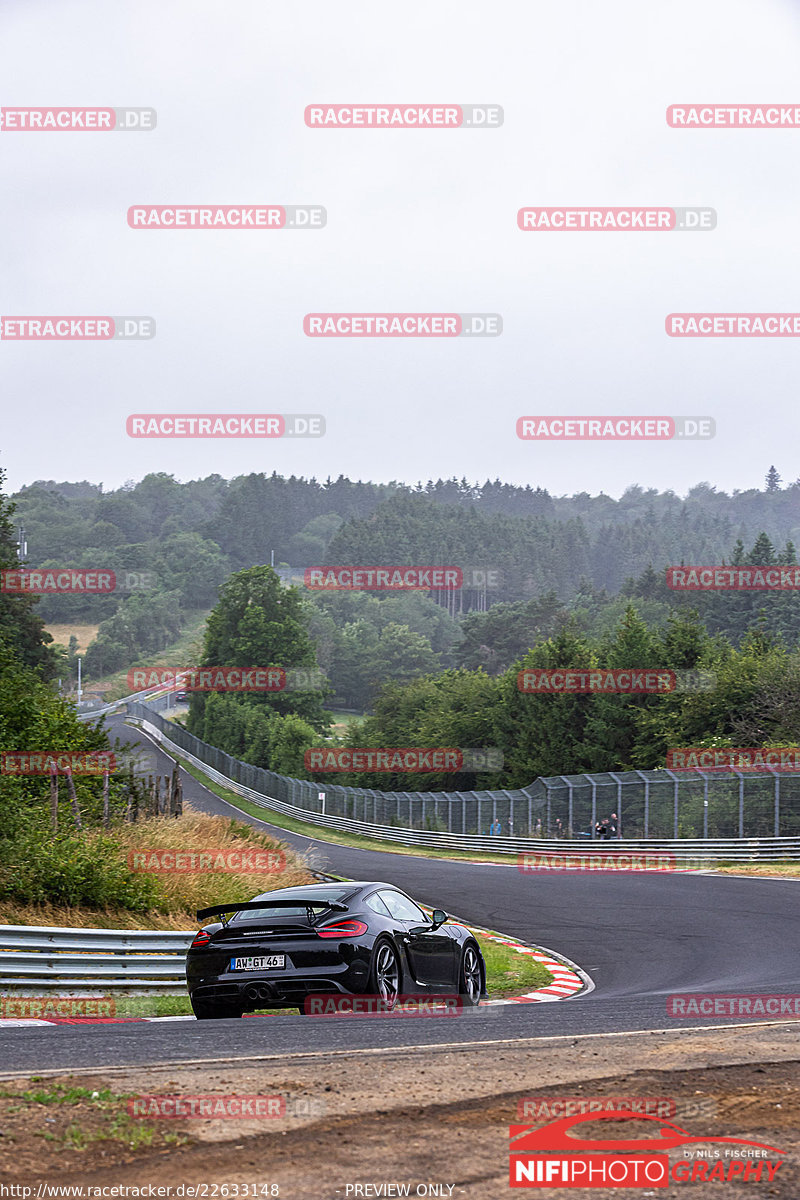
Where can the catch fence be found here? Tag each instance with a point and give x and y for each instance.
(658, 804)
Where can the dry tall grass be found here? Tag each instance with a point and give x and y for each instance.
(182, 893)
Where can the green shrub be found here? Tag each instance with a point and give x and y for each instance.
(79, 870)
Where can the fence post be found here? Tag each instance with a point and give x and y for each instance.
(53, 796)
(618, 782)
(647, 808)
(570, 811)
(73, 795)
(106, 816)
(777, 805)
(675, 805)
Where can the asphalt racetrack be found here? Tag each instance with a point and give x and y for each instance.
(640, 938)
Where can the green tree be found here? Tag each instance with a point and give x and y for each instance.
(289, 738)
(21, 627)
(257, 623)
(773, 480)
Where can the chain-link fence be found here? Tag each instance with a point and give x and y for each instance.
(643, 804)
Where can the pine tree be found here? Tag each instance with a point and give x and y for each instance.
(773, 480)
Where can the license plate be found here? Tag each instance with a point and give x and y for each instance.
(258, 962)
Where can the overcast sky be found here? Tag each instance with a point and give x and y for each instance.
(418, 221)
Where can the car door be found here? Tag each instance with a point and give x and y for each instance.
(431, 953)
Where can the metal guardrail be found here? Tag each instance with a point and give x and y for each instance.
(697, 849)
(40, 957)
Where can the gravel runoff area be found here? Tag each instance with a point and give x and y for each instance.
(363, 1124)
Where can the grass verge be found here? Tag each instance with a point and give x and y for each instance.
(76, 1120)
(232, 862)
(783, 870)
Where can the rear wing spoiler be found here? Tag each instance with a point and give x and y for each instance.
(218, 910)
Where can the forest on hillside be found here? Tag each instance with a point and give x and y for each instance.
(547, 559)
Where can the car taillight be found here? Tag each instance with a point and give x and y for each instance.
(201, 939)
(343, 929)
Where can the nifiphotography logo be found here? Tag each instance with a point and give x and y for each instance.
(551, 1156)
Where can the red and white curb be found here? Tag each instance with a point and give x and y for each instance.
(568, 978)
(567, 981)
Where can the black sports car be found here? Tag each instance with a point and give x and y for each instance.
(328, 938)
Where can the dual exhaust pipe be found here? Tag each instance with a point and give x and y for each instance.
(258, 992)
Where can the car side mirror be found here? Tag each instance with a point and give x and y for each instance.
(439, 917)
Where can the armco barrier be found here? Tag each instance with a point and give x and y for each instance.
(695, 849)
(33, 958)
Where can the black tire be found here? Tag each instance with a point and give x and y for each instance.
(204, 1010)
(470, 977)
(385, 973)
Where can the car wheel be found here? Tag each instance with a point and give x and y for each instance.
(470, 981)
(384, 975)
(205, 1011)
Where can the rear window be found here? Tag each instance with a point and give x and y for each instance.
(273, 912)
